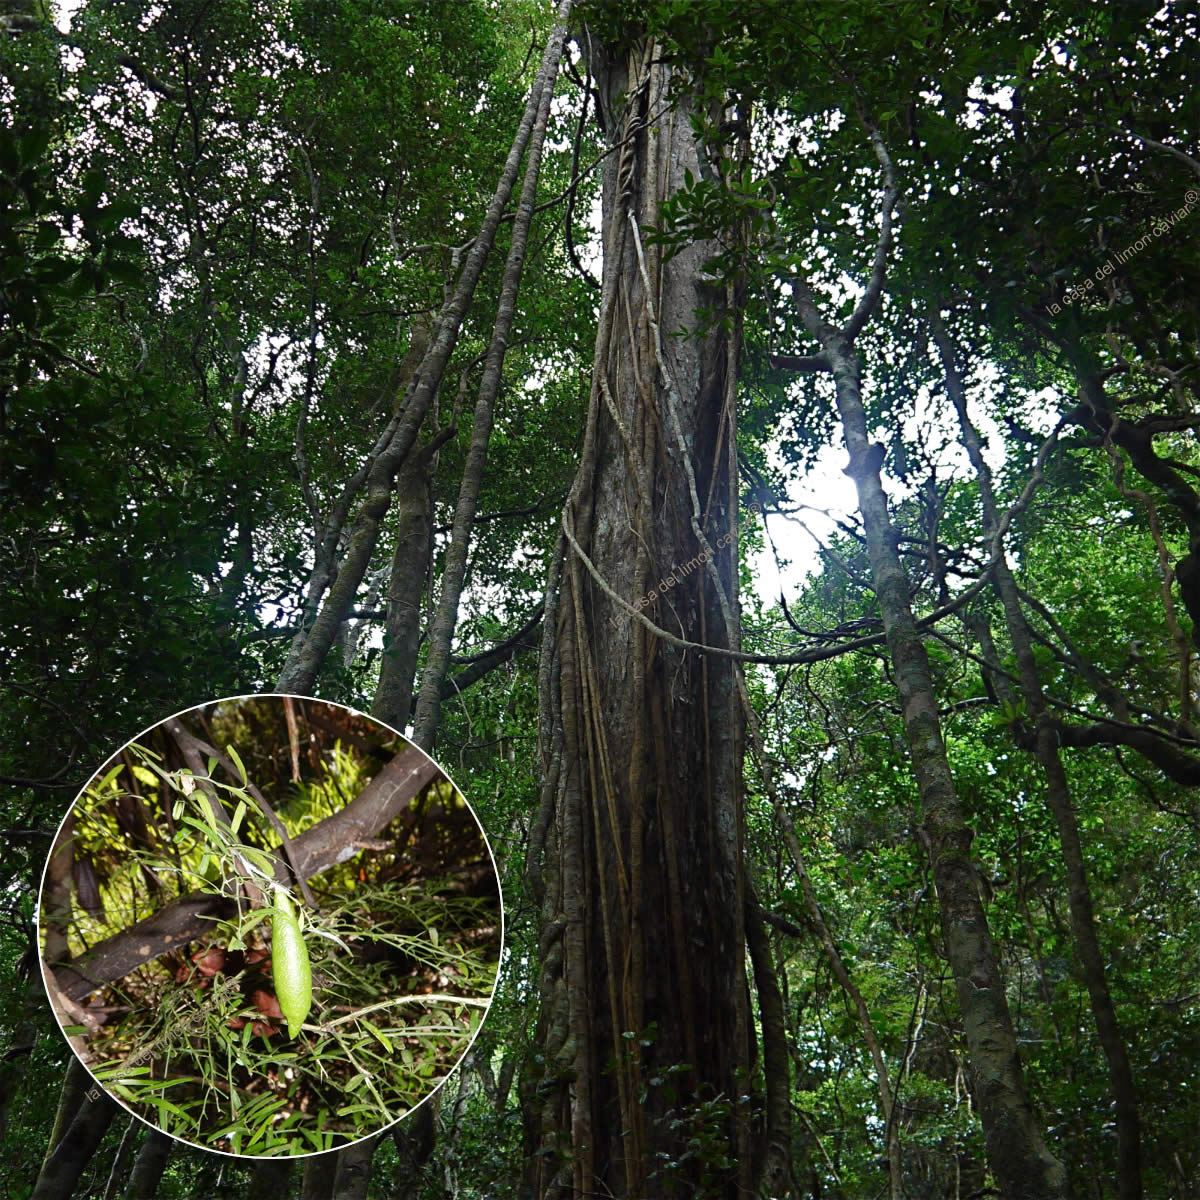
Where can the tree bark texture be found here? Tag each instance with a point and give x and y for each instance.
(429, 700)
(1045, 738)
(354, 1169)
(773, 1164)
(644, 1027)
(121, 1161)
(68, 1158)
(320, 1171)
(311, 646)
(1016, 1150)
(149, 1166)
(75, 1084)
(410, 566)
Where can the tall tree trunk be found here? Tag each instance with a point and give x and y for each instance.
(428, 706)
(354, 1169)
(320, 1171)
(429, 701)
(67, 1159)
(70, 1099)
(644, 1026)
(309, 649)
(307, 657)
(772, 1177)
(406, 585)
(1058, 796)
(149, 1166)
(1016, 1151)
(121, 1160)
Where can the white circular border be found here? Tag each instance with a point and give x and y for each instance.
(312, 700)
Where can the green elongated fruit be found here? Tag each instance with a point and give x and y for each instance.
(290, 967)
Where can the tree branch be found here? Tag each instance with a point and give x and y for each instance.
(333, 841)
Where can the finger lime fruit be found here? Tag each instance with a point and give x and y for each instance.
(290, 967)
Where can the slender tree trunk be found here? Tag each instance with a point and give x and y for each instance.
(406, 585)
(121, 1160)
(644, 1026)
(415, 1138)
(70, 1099)
(771, 1179)
(320, 1171)
(392, 703)
(149, 1166)
(346, 644)
(327, 540)
(307, 657)
(430, 699)
(354, 1169)
(1016, 1150)
(308, 652)
(1058, 796)
(65, 1162)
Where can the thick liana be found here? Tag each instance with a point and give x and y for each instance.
(290, 966)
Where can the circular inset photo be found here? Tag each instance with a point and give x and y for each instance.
(270, 926)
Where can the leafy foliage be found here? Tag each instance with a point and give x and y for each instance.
(213, 261)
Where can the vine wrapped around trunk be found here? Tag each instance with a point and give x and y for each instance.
(644, 1030)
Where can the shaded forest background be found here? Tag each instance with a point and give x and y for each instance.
(390, 352)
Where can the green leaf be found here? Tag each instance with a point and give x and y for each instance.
(237, 762)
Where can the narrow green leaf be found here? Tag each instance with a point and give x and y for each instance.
(237, 762)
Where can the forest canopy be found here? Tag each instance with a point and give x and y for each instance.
(752, 447)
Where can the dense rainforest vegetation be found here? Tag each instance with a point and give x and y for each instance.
(467, 362)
